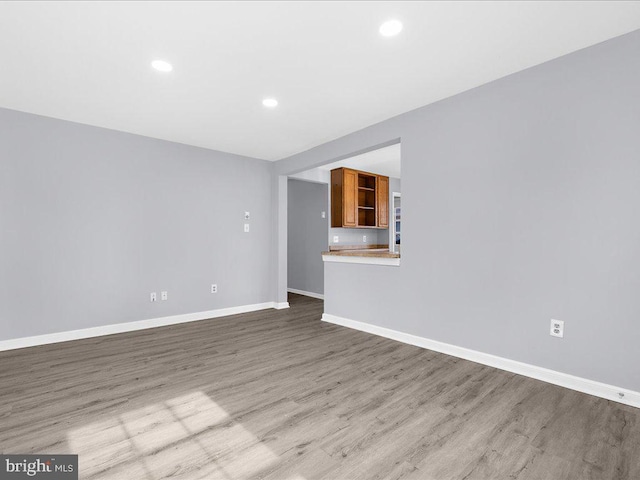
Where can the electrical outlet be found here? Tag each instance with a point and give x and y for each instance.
(153, 297)
(214, 288)
(336, 239)
(324, 214)
(246, 228)
(164, 295)
(364, 238)
(557, 328)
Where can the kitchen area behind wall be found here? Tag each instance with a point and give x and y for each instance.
(384, 161)
(310, 219)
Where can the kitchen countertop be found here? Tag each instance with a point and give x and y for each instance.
(367, 253)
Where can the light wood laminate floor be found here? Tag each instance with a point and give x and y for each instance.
(282, 395)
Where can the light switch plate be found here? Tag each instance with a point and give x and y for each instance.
(247, 215)
(336, 239)
(246, 228)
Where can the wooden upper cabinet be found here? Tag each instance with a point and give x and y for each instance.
(382, 201)
(359, 199)
(349, 217)
(343, 197)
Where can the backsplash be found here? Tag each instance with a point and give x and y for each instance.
(353, 236)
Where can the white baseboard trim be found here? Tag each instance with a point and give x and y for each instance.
(603, 390)
(305, 293)
(281, 305)
(130, 326)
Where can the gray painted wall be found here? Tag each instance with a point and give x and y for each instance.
(93, 220)
(307, 237)
(520, 204)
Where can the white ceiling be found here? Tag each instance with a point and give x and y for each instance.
(384, 161)
(324, 61)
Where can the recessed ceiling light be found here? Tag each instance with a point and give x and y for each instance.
(162, 66)
(390, 28)
(270, 102)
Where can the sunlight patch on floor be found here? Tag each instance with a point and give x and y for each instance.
(190, 436)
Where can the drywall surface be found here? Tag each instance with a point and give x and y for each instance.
(307, 235)
(93, 220)
(520, 204)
